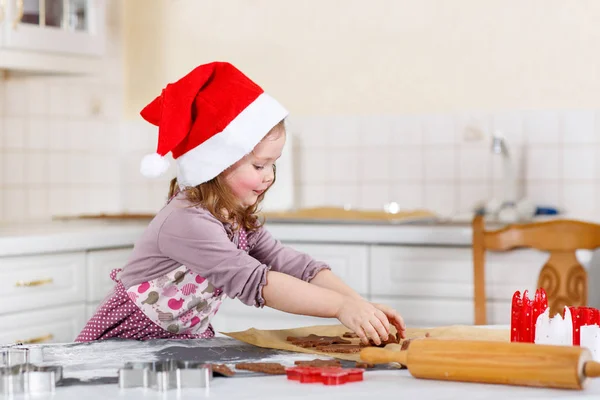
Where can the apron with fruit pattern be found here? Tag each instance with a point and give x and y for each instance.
(178, 305)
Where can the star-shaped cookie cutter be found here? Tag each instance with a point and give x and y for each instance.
(165, 375)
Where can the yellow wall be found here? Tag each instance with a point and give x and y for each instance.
(376, 56)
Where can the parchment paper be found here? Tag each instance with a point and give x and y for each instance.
(276, 339)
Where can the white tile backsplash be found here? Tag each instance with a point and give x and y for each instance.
(542, 127)
(579, 162)
(374, 195)
(580, 199)
(440, 163)
(474, 162)
(543, 163)
(439, 129)
(375, 165)
(579, 127)
(406, 130)
(406, 164)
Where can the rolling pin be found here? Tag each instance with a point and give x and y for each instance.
(520, 364)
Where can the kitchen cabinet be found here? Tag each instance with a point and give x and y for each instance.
(52, 35)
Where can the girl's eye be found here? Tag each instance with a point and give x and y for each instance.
(259, 167)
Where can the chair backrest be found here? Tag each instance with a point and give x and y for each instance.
(563, 277)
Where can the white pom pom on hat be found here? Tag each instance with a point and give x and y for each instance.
(154, 165)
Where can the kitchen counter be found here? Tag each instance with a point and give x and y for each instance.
(74, 235)
(94, 367)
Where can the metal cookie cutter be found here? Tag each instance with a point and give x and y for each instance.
(29, 378)
(10, 356)
(165, 375)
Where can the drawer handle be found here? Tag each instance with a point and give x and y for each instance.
(39, 339)
(39, 282)
(20, 12)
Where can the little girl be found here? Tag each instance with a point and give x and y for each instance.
(206, 243)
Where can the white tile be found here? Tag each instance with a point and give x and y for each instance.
(543, 163)
(37, 96)
(374, 196)
(14, 168)
(474, 163)
(80, 97)
(579, 127)
(440, 163)
(471, 195)
(374, 130)
(343, 195)
(57, 167)
(59, 201)
(79, 168)
(341, 131)
(580, 199)
(473, 127)
(58, 133)
(38, 135)
(15, 92)
(543, 193)
(97, 169)
(58, 99)
(311, 131)
(440, 198)
(314, 165)
(407, 164)
(542, 127)
(375, 165)
(345, 165)
(111, 103)
(499, 190)
(408, 195)
(516, 162)
(106, 199)
(313, 195)
(578, 162)
(37, 204)
(511, 125)
(80, 198)
(406, 130)
(36, 168)
(439, 129)
(15, 135)
(2, 108)
(78, 135)
(15, 204)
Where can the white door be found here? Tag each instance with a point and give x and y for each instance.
(55, 26)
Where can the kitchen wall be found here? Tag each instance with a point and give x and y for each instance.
(416, 131)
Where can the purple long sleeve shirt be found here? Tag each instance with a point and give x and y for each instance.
(192, 236)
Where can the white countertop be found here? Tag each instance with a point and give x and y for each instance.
(382, 384)
(77, 235)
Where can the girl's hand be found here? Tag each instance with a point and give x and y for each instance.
(366, 320)
(394, 317)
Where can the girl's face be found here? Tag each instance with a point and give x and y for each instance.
(253, 174)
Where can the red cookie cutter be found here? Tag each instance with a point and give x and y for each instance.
(525, 312)
(583, 316)
(325, 375)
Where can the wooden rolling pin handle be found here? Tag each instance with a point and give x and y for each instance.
(374, 355)
(591, 369)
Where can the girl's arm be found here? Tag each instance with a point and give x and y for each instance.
(292, 295)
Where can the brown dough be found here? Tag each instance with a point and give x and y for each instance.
(365, 365)
(406, 342)
(341, 348)
(314, 340)
(391, 339)
(222, 369)
(266, 367)
(350, 335)
(319, 363)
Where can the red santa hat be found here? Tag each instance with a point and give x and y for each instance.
(209, 119)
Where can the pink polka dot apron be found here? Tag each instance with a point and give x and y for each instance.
(178, 305)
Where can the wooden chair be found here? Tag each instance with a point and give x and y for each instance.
(563, 277)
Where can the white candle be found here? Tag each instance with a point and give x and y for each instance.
(557, 330)
(590, 338)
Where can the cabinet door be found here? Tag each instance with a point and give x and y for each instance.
(349, 262)
(51, 325)
(99, 265)
(56, 26)
(234, 316)
(37, 282)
